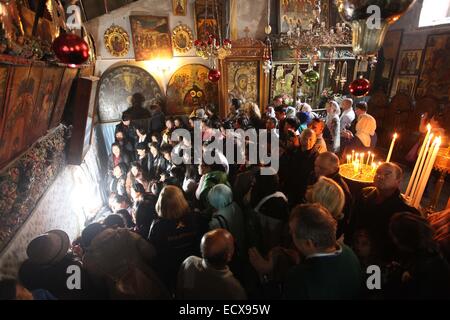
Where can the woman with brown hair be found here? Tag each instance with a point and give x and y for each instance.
(175, 234)
(136, 174)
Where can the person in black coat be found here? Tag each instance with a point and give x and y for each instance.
(422, 272)
(143, 209)
(157, 164)
(175, 234)
(299, 166)
(374, 208)
(143, 158)
(127, 128)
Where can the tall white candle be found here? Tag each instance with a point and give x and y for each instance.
(420, 169)
(421, 154)
(368, 158)
(388, 159)
(427, 172)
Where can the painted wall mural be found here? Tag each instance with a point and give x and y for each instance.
(189, 88)
(118, 85)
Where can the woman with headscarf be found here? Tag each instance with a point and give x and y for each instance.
(227, 214)
(364, 138)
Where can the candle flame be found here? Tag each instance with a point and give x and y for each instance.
(395, 135)
(428, 127)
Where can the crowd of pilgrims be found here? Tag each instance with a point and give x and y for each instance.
(225, 231)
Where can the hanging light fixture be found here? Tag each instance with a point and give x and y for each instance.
(268, 44)
(213, 47)
(368, 35)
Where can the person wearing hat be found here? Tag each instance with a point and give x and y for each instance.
(121, 259)
(47, 267)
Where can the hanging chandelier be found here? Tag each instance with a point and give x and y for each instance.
(209, 44)
(308, 40)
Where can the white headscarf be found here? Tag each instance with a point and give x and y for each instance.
(365, 128)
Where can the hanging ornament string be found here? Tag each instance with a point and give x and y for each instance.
(204, 36)
(216, 18)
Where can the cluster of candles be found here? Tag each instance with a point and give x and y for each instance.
(422, 168)
(360, 163)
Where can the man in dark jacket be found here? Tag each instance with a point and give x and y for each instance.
(127, 128)
(300, 165)
(374, 208)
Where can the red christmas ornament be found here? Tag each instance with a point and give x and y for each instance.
(71, 49)
(359, 87)
(214, 75)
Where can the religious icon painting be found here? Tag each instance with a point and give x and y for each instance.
(189, 88)
(179, 7)
(63, 94)
(151, 37)
(182, 38)
(410, 62)
(117, 41)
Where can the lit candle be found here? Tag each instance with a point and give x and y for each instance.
(368, 158)
(388, 159)
(416, 166)
(373, 157)
(362, 158)
(427, 171)
(420, 169)
(348, 159)
(374, 167)
(353, 155)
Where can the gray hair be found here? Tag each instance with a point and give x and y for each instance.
(314, 222)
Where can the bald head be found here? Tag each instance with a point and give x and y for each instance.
(326, 164)
(217, 248)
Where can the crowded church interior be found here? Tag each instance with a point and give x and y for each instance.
(224, 149)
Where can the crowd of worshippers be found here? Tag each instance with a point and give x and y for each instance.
(225, 231)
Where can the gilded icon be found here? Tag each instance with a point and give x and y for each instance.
(182, 38)
(117, 41)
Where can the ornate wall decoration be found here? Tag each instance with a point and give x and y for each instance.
(179, 7)
(242, 74)
(182, 38)
(434, 76)
(24, 181)
(117, 41)
(117, 86)
(189, 88)
(151, 37)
